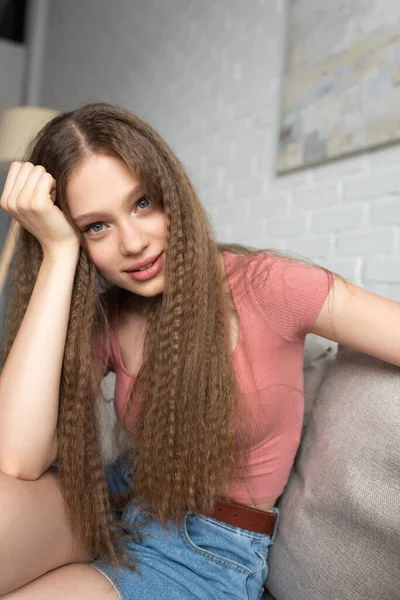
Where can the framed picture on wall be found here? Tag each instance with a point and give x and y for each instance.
(341, 82)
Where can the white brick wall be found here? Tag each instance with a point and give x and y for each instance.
(207, 75)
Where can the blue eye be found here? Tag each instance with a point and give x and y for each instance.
(143, 202)
(91, 228)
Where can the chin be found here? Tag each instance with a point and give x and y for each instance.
(148, 289)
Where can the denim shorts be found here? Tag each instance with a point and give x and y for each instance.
(202, 558)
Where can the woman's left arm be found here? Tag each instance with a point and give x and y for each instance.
(361, 320)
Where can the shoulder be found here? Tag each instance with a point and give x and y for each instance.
(237, 265)
(274, 270)
(259, 268)
(287, 293)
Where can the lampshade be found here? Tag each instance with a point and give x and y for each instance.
(18, 126)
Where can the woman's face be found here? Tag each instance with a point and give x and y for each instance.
(124, 231)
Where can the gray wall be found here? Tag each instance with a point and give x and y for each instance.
(12, 58)
(207, 74)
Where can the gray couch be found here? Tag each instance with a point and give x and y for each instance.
(339, 531)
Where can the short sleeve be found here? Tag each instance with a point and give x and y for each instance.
(288, 293)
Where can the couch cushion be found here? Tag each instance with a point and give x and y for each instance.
(318, 355)
(112, 436)
(339, 533)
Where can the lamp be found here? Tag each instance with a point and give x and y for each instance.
(18, 126)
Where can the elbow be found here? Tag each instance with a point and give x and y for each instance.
(21, 468)
(24, 470)
(18, 473)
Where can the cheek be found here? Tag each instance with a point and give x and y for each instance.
(163, 226)
(102, 256)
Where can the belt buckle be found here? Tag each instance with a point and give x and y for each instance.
(275, 510)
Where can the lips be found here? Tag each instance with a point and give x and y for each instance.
(143, 263)
(147, 273)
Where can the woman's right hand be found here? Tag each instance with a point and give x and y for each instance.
(29, 196)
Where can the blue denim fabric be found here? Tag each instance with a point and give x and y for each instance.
(201, 559)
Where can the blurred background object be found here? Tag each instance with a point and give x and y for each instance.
(18, 125)
(12, 20)
(345, 98)
(23, 25)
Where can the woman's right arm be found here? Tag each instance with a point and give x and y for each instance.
(30, 380)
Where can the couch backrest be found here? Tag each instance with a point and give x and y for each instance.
(339, 533)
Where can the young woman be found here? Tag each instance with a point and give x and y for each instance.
(116, 269)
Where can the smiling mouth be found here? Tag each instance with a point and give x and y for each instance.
(143, 268)
(147, 271)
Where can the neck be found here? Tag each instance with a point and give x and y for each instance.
(138, 304)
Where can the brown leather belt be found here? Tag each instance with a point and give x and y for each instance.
(244, 517)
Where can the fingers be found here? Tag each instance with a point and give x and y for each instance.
(29, 198)
(10, 180)
(27, 186)
(22, 195)
(42, 192)
(20, 180)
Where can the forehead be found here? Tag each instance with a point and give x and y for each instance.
(100, 179)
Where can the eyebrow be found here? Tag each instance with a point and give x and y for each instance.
(89, 217)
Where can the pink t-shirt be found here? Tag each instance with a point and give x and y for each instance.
(277, 302)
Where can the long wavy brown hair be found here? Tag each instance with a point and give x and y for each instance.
(184, 444)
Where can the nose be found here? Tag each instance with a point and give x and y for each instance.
(133, 238)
